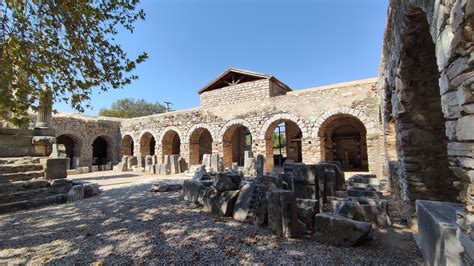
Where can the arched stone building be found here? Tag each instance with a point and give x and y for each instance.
(241, 110)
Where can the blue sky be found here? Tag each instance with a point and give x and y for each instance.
(304, 43)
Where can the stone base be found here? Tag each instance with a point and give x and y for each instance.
(54, 168)
(437, 232)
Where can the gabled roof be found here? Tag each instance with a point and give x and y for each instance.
(233, 76)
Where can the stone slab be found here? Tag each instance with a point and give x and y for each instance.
(437, 232)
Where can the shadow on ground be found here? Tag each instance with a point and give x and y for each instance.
(133, 225)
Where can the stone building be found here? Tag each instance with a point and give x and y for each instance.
(240, 111)
(427, 85)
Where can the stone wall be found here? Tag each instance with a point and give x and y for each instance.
(427, 53)
(83, 130)
(308, 109)
(243, 92)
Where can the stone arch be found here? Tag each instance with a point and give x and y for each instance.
(102, 150)
(127, 145)
(369, 123)
(170, 128)
(236, 139)
(200, 143)
(189, 133)
(289, 117)
(170, 141)
(343, 138)
(234, 122)
(73, 146)
(147, 143)
(292, 134)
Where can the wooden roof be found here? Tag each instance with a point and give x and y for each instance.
(234, 76)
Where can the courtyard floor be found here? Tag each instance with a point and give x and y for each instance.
(128, 224)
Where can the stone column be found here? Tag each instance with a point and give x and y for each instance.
(44, 113)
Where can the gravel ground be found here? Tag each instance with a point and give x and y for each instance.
(128, 224)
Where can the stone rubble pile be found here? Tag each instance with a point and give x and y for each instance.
(306, 201)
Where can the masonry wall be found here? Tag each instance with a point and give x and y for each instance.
(421, 34)
(243, 92)
(83, 130)
(307, 108)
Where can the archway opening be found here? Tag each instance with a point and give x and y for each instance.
(343, 139)
(127, 145)
(72, 148)
(282, 144)
(419, 120)
(171, 143)
(100, 151)
(200, 143)
(147, 144)
(237, 139)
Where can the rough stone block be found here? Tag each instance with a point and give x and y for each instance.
(210, 200)
(351, 209)
(54, 168)
(214, 161)
(174, 164)
(183, 165)
(91, 190)
(259, 165)
(227, 182)
(85, 169)
(340, 231)
(95, 168)
(227, 202)
(192, 189)
(465, 128)
(75, 193)
(206, 160)
(282, 217)
(251, 205)
(437, 232)
(131, 161)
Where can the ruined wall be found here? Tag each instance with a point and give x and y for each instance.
(306, 108)
(427, 53)
(83, 130)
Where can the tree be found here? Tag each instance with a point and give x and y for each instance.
(64, 47)
(128, 108)
(277, 140)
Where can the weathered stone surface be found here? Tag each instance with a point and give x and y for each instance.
(351, 209)
(191, 190)
(465, 128)
(251, 205)
(54, 168)
(131, 161)
(210, 200)
(76, 193)
(227, 181)
(282, 217)
(437, 232)
(91, 190)
(164, 187)
(215, 162)
(259, 165)
(340, 231)
(227, 202)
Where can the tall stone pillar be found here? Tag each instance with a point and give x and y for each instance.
(44, 113)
